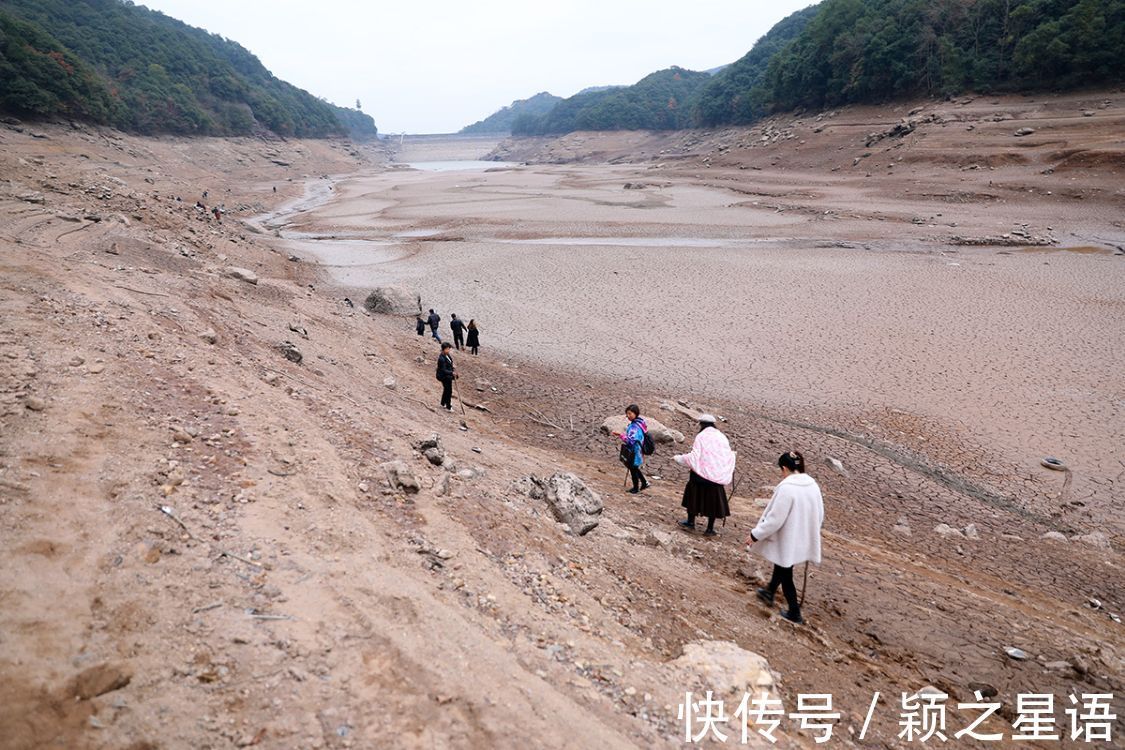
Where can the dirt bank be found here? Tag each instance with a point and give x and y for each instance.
(291, 596)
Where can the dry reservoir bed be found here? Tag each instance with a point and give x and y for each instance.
(970, 356)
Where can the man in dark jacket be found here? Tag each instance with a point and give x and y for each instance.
(434, 320)
(458, 327)
(446, 373)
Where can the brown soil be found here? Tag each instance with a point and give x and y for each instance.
(304, 602)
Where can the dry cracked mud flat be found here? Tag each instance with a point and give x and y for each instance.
(295, 593)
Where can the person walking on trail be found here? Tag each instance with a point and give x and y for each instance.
(632, 440)
(419, 325)
(473, 342)
(446, 373)
(434, 320)
(711, 462)
(789, 531)
(458, 327)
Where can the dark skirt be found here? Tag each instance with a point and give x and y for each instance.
(474, 338)
(705, 498)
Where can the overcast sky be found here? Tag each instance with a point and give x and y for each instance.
(434, 66)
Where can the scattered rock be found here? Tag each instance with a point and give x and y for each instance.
(1094, 539)
(77, 361)
(1023, 131)
(291, 352)
(389, 382)
(393, 300)
(947, 531)
(660, 433)
(971, 531)
(1016, 653)
(1054, 536)
(985, 690)
(209, 336)
(1058, 666)
(99, 680)
(902, 529)
(34, 403)
(401, 477)
(242, 274)
(31, 198)
(431, 448)
(726, 667)
(570, 500)
(182, 436)
(837, 465)
(96, 368)
(660, 538)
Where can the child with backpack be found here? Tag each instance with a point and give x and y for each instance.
(636, 443)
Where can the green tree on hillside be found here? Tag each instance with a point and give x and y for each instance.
(160, 75)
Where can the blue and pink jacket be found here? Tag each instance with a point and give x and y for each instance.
(633, 436)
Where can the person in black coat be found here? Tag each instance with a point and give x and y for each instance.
(419, 325)
(434, 320)
(458, 327)
(446, 373)
(474, 337)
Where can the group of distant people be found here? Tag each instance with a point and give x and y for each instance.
(464, 336)
(788, 532)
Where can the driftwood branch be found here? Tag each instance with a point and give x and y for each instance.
(538, 418)
(140, 291)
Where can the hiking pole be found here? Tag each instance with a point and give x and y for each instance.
(804, 583)
(459, 399)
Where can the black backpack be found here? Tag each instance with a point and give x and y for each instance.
(647, 446)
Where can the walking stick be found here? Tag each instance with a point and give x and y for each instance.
(804, 583)
(459, 399)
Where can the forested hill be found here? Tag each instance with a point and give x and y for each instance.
(876, 50)
(659, 101)
(501, 120)
(120, 64)
(870, 51)
(736, 94)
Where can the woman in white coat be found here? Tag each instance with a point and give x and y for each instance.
(789, 531)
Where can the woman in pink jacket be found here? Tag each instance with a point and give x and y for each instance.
(712, 465)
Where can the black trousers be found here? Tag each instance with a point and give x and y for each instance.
(784, 577)
(458, 339)
(637, 476)
(447, 393)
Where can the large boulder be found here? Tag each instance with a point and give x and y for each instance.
(402, 478)
(726, 667)
(393, 300)
(242, 274)
(570, 500)
(431, 448)
(660, 432)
